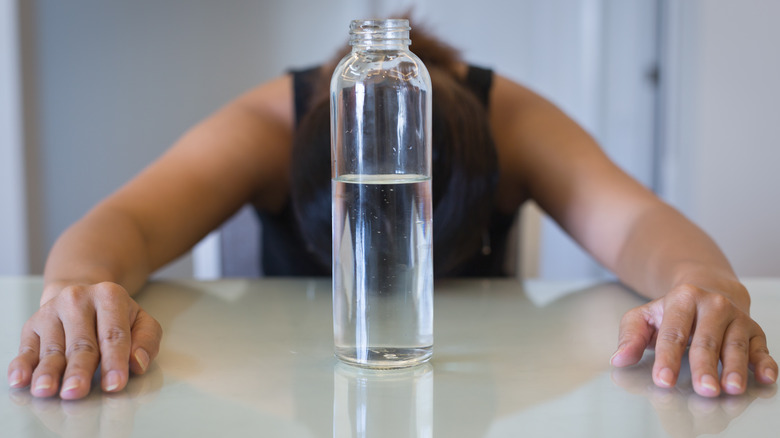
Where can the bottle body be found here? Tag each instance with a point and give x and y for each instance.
(382, 207)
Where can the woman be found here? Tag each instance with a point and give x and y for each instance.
(497, 144)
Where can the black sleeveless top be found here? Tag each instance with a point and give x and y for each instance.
(284, 251)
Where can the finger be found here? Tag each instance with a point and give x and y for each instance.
(82, 354)
(113, 328)
(146, 389)
(763, 365)
(672, 338)
(714, 316)
(51, 358)
(146, 336)
(734, 356)
(636, 380)
(633, 338)
(21, 368)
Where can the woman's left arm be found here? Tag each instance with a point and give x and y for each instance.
(697, 299)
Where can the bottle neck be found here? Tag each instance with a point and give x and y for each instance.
(391, 34)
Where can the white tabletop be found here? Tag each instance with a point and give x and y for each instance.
(254, 358)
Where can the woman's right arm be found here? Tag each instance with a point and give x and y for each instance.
(87, 316)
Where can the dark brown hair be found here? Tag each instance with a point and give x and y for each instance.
(465, 169)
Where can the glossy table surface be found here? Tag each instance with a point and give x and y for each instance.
(254, 358)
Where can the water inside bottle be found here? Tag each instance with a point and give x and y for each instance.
(383, 272)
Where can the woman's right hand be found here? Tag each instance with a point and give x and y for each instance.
(77, 328)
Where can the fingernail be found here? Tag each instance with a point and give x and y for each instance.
(666, 376)
(142, 357)
(770, 374)
(709, 382)
(15, 379)
(43, 383)
(71, 384)
(733, 381)
(112, 380)
(612, 359)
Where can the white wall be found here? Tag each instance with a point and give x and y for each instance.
(723, 69)
(117, 82)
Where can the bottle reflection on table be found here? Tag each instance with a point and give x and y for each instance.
(382, 403)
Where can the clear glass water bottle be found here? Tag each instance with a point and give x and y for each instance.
(380, 97)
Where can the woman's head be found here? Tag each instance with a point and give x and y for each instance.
(465, 169)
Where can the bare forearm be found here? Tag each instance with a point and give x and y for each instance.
(103, 246)
(664, 250)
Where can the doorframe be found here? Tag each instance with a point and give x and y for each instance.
(14, 254)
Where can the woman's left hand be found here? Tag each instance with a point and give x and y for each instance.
(712, 326)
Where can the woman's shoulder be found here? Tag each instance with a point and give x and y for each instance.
(272, 99)
(258, 127)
